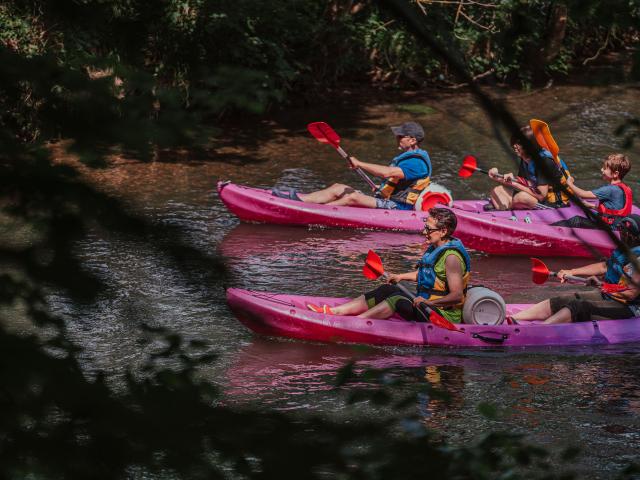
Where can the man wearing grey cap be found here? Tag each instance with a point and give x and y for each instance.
(405, 178)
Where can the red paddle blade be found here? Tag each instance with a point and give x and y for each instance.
(440, 321)
(539, 271)
(469, 165)
(324, 133)
(372, 266)
(613, 288)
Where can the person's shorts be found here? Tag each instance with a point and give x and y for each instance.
(386, 204)
(587, 306)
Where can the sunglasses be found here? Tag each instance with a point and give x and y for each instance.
(429, 230)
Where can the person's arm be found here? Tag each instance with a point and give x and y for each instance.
(453, 271)
(539, 193)
(548, 174)
(599, 268)
(377, 170)
(509, 180)
(397, 277)
(506, 179)
(629, 294)
(588, 194)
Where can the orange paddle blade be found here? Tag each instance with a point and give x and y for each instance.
(372, 266)
(324, 133)
(544, 138)
(440, 321)
(469, 165)
(539, 271)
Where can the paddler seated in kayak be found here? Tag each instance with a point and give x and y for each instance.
(596, 305)
(442, 276)
(534, 183)
(405, 178)
(615, 199)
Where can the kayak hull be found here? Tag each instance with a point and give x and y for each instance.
(283, 315)
(516, 232)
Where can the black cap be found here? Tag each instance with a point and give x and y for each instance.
(410, 129)
(631, 223)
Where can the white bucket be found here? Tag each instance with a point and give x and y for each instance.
(483, 306)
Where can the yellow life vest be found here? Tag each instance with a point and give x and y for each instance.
(559, 198)
(402, 190)
(408, 195)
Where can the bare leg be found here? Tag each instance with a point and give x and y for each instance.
(561, 316)
(382, 311)
(501, 197)
(352, 307)
(523, 201)
(538, 311)
(355, 199)
(334, 192)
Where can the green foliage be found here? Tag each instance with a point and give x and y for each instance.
(58, 424)
(256, 54)
(416, 108)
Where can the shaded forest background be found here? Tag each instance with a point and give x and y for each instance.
(137, 77)
(250, 55)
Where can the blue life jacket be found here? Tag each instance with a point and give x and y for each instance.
(428, 284)
(615, 264)
(532, 171)
(406, 191)
(554, 198)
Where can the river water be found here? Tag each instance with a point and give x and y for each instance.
(588, 397)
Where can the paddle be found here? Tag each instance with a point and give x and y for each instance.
(470, 165)
(540, 274)
(373, 270)
(325, 134)
(544, 138)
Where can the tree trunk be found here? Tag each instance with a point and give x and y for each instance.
(555, 31)
(551, 44)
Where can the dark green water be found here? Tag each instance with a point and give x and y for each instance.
(589, 397)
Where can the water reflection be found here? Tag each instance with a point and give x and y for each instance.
(577, 396)
(329, 262)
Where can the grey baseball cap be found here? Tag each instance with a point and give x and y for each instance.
(411, 129)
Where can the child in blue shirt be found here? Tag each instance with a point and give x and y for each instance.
(615, 199)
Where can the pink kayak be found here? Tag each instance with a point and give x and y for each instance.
(512, 232)
(283, 315)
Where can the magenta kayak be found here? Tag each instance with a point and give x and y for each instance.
(514, 232)
(284, 315)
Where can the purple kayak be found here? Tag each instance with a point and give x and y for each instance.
(512, 232)
(283, 315)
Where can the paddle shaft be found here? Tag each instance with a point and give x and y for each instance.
(499, 175)
(573, 278)
(358, 170)
(425, 310)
